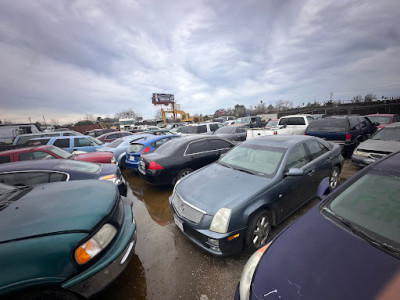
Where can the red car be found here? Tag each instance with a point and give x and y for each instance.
(49, 151)
(383, 119)
(111, 136)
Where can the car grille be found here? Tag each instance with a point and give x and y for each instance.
(117, 215)
(376, 155)
(187, 211)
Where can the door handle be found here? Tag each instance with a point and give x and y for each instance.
(311, 173)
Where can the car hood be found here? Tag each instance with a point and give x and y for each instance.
(380, 145)
(58, 207)
(216, 186)
(316, 259)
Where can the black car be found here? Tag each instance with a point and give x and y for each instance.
(32, 172)
(232, 133)
(172, 161)
(347, 131)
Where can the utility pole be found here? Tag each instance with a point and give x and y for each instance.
(44, 121)
(30, 120)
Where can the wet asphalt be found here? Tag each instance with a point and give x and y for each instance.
(168, 266)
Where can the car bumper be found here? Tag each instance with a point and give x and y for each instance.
(217, 244)
(156, 178)
(110, 266)
(132, 164)
(361, 161)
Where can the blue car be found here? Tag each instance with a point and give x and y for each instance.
(32, 172)
(233, 204)
(348, 247)
(144, 145)
(119, 147)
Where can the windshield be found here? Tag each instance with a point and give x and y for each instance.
(388, 134)
(372, 205)
(260, 160)
(78, 165)
(60, 152)
(379, 119)
(194, 129)
(245, 120)
(115, 143)
(272, 123)
(96, 141)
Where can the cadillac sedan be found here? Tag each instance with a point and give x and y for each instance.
(233, 204)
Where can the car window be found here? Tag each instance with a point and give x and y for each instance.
(329, 125)
(297, 157)
(217, 144)
(69, 134)
(82, 142)
(240, 130)
(353, 122)
(35, 155)
(213, 127)
(292, 121)
(201, 129)
(60, 152)
(198, 146)
(113, 136)
(316, 149)
(159, 142)
(62, 143)
(31, 178)
(5, 159)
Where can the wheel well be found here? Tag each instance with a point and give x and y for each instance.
(264, 207)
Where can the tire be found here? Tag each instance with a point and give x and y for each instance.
(334, 178)
(181, 174)
(258, 230)
(123, 162)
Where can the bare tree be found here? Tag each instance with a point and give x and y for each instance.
(369, 97)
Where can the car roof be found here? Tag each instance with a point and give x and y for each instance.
(383, 115)
(42, 164)
(48, 133)
(280, 141)
(152, 138)
(392, 125)
(24, 148)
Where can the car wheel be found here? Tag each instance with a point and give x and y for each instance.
(334, 178)
(258, 231)
(123, 162)
(182, 173)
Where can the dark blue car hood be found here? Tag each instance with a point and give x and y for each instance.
(316, 259)
(216, 186)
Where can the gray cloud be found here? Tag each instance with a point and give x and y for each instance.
(66, 59)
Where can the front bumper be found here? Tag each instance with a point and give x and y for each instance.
(111, 265)
(361, 161)
(217, 244)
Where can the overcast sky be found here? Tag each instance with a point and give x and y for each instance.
(67, 59)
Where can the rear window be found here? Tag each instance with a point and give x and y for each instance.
(329, 125)
(292, 121)
(115, 143)
(5, 159)
(135, 148)
(225, 130)
(78, 165)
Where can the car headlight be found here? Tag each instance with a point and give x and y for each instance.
(220, 222)
(360, 153)
(248, 272)
(113, 178)
(96, 244)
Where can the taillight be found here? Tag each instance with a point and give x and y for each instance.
(348, 137)
(154, 166)
(146, 150)
(275, 132)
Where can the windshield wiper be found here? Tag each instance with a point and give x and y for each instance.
(357, 231)
(245, 171)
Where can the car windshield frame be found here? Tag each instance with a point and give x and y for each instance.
(353, 208)
(275, 157)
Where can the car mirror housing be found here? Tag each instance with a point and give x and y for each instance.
(295, 172)
(323, 188)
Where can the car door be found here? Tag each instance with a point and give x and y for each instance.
(84, 144)
(199, 154)
(294, 190)
(322, 161)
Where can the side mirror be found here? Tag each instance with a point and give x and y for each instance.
(295, 172)
(377, 123)
(324, 188)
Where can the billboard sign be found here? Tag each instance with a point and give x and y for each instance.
(162, 98)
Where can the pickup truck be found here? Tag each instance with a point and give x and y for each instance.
(295, 124)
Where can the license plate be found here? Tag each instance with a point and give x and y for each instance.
(178, 223)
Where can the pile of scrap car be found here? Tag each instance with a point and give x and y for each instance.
(232, 185)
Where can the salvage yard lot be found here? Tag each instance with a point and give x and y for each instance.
(168, 266)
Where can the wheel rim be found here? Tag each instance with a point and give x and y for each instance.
(334, 180)
(185, 173)
(261, 232)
